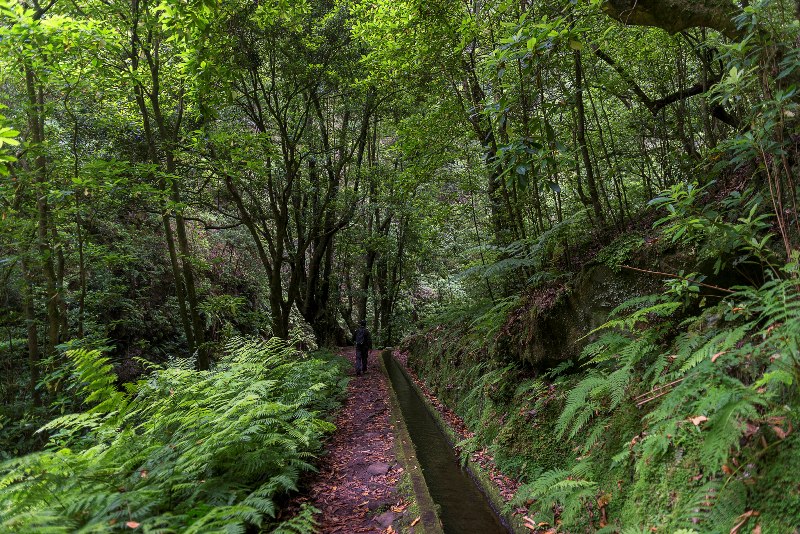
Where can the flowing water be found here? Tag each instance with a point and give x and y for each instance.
(463, 507)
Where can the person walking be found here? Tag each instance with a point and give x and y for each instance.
(363, 341)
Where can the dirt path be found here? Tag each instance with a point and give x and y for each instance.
(356, 484)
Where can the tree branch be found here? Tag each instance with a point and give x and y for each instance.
(654, 106)
(674, 16)
(668, 275)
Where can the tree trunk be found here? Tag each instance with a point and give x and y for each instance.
(36, 125)
(197, 326)
(591, 184)
(33, 340)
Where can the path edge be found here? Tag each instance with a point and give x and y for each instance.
(513, 523)
(407, 455)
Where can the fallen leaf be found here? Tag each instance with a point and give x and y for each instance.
(717, 355)
(414, 522)
(530, 523)
(132, 524)
(781, 433)
(697, 420)
(727, 470)
(750, 430)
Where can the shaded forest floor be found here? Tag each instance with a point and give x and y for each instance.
(356, 487)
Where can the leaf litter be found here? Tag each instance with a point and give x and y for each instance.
(350, 497)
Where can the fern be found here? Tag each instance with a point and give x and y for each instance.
(568, 489)
(577, 406)
(302, 523)
(97, 381)
(713, 506)
(189, 451)
(530, 254)
(706, 383)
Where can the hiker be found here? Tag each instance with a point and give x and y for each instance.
(363, 345)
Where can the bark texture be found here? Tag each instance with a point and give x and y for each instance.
(675, 15)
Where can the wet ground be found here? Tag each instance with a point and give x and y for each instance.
(356, 486)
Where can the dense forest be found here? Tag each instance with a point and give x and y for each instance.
(578, 218)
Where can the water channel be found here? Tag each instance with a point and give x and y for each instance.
(463, 507)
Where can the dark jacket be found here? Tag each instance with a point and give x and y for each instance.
(363, 334)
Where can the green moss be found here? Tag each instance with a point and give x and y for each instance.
(655, 489)
(528, 441)
(405, 490)
(515, 419)
(776, 492)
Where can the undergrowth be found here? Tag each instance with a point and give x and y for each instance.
(679, 415)
(181, 450)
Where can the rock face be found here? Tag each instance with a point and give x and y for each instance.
(553, 323)
(386, 519)
(545, 337)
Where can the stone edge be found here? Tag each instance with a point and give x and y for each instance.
(514, 524)
(407, 456)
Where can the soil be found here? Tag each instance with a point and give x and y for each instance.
(356, 485)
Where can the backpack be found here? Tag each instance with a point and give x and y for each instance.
(361, 337)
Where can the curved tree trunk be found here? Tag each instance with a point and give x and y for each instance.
(676, 15)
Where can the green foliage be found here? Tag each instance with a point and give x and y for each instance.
(530, 256)
(730, 241)
(712, 394)
(176, 174)
(775, 493)
(8, 137)
(568, 489)
(681, 400)
(726, 376)
(620, 250)
(181, 449)
(303, 523)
